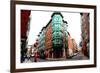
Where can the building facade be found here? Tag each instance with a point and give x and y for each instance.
(85, 23)
(48, 40)
(25, 27)
(55, 40)
(57, 34)
(41, 42)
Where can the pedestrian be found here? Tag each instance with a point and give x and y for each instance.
(28, 53)
(46, 54)
(35, 57)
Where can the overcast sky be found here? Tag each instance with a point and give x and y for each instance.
(40, 19)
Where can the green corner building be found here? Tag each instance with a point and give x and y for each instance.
(59, 35)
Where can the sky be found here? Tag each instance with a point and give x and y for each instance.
(40, 19)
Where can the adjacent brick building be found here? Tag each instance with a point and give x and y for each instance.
(25, 27)
(48, 40)
(85, 43)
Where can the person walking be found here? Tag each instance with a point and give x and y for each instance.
(36, 56)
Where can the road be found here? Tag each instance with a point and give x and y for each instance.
(77, 56)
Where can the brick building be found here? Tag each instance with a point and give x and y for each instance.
(25, 27)
(85, 23)
(48, 40)
(56, 40)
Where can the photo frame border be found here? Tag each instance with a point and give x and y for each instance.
(13, 34)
